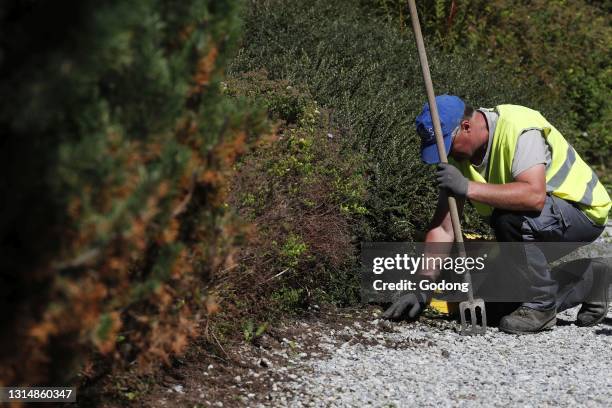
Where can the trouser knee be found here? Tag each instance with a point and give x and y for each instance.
(507, 226)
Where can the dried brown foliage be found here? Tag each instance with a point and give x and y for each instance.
(121, 273)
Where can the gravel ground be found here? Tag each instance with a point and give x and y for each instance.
(429, 364)
(351, 358)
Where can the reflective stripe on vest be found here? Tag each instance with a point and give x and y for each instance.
(587, 197)
(562, 173)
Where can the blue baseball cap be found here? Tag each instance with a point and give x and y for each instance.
(450, 110)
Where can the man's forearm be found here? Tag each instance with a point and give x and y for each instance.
(438, 243)
(517, 195)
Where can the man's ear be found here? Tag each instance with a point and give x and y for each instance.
(465, 125)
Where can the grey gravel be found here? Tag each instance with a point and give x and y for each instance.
(432, 365)
(567, 366)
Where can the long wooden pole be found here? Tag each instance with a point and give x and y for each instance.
(433, 108)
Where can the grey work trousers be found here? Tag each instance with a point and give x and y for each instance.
(559, 221)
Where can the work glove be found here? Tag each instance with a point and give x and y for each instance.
(409, 306)
(450, 178)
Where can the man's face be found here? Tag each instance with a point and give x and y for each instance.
(471, 138)
(463, 143)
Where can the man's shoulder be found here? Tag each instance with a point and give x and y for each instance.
(508, 107)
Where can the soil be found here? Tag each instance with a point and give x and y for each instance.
(246, 374)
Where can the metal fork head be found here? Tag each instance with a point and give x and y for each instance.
(471, 326)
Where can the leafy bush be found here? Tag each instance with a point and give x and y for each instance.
(561, 48)
(303, 200)
(116, 148)
(366, 72)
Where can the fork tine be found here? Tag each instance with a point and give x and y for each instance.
(473, 326)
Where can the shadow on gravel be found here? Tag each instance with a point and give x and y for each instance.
(563, 322)
(607, 321)
(604, 332)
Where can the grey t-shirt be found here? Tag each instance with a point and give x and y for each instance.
(531, 147)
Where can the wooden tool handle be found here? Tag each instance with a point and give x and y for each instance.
(433, 108)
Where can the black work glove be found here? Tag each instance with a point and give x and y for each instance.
(410, 306)
(450, 178)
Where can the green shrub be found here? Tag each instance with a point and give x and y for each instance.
(561, 48)
(288, 301)
(303, 199)
(366, 72)
(115, 151)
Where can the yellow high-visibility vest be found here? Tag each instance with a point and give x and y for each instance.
(567, 176)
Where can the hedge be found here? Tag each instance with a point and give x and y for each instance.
(116, 148)
(366, 71)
